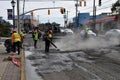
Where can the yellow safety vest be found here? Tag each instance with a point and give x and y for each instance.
(35, 36)
(22, 34)
(16, 37)
(49, 35)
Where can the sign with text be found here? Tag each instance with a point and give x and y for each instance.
(10, 14)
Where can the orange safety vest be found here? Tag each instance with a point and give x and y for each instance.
(16, 37)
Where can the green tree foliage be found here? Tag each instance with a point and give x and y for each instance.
(114, 7)
(5, 29)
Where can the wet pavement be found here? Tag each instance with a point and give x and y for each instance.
(8, 70)
(100, 63)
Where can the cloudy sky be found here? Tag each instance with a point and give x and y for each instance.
(55, 16)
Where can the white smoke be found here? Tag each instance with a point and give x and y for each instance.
(74, 42)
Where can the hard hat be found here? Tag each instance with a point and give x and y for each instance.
(14, 30)
(50, 32)
(35, 31)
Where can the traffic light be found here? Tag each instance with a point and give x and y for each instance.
(84, 3)
(48, 12)
(80, 3)
(32, 14)
(62, 10)
(99, 2)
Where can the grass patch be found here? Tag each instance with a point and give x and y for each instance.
(6, 59)
(9, 59)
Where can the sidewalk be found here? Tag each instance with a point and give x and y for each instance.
(8, 71)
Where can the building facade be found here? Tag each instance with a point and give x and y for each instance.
(27, 22)
(102, 22)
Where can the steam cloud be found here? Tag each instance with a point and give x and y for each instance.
(74, 42)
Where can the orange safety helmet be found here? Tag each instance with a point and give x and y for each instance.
(50, 31)
(35, 31)
(14, 31)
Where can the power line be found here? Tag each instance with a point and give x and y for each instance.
(39, 0)
(104, 7)
(98, 5)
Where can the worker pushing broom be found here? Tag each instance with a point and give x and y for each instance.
(48, 40)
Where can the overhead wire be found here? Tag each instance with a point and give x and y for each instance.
(102, 7)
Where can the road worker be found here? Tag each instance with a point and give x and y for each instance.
(22, 37)
(35, 38)
(86, 33)
(48, 38)
(16, 41)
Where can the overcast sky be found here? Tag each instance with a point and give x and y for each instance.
(55, 16)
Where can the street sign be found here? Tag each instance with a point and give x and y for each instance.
(10, 14)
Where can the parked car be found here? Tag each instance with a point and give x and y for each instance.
(30, 32)
(91, 34)
(67, 31)
(112, 34)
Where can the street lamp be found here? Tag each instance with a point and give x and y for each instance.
(13, 5)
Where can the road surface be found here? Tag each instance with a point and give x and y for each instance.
(100, 63)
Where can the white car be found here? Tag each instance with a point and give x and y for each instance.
(112, 34)
(91, 34)
(67, 31)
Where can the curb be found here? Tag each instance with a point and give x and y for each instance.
(23, 77)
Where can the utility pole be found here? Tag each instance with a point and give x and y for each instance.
(67, 15)
(76, 19)
(38, 19)
(94, 16)
(65, 20)
(22, 24)
(18, 14)
(119, 15)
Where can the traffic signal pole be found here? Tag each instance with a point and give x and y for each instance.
(41, 9)
(19, 15)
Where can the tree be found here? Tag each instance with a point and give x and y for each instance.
(5, 29)
(115, 6)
